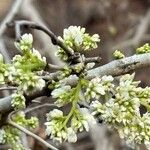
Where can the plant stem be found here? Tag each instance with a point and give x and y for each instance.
(74, 103)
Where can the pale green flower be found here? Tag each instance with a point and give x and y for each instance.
(144, 49)
(18, 101)
(54, 127)
(27, 38)
(63, 95)
(25, 42)
(75, 38)
(80, 123)
(71, 135)
(118, 54)
(90, 42)
(55, 113)
(59, 91)
(90, 65)
(122, 112)
(27, 81)
(38, 55)
(98, 87)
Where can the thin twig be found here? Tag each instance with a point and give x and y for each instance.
(139, 34)
(39, 106)
(3, 51)
(54, 67)
(8, 88)
(48, 48)
(10, 122)
(92, 59)
(13, 11)
(85, 60)
(33, 25)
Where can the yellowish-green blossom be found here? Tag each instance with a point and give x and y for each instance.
(118, 54)
(144, 49)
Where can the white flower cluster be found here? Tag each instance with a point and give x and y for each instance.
(98, 86)
(20, 119)
(80, 120)
(25, 43)
(62, 94)
(76, 38)
(55, 129)
(27, 81)
(18, 101)
(12, 137)
(118, 54)
(23, 69)
(36, 53)
(122, 112)
(144, 49)
(73, 35)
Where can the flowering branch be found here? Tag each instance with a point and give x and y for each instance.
(114, 68)
(12, 123)
(76, 84)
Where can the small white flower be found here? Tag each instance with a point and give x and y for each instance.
(74, 33)
(40, 84)
(95, 38)
(147, 143)
(90, 65)
(99, 89)
(55, 113)
(58, 92)
(27, 38)
(88, 118)
(36, 53)
(107, 78)
(18, 101)
(71, 135)
(95, 104)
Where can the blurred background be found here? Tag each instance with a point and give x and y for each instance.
(122, 24)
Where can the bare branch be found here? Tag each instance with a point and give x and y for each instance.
(92, 59)
(114, 68)
(8, 88)
(5, 104)
(10, 122)
(45, 43)
(39, 106)
(54, 67)
(13, 11)
(122, 66)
